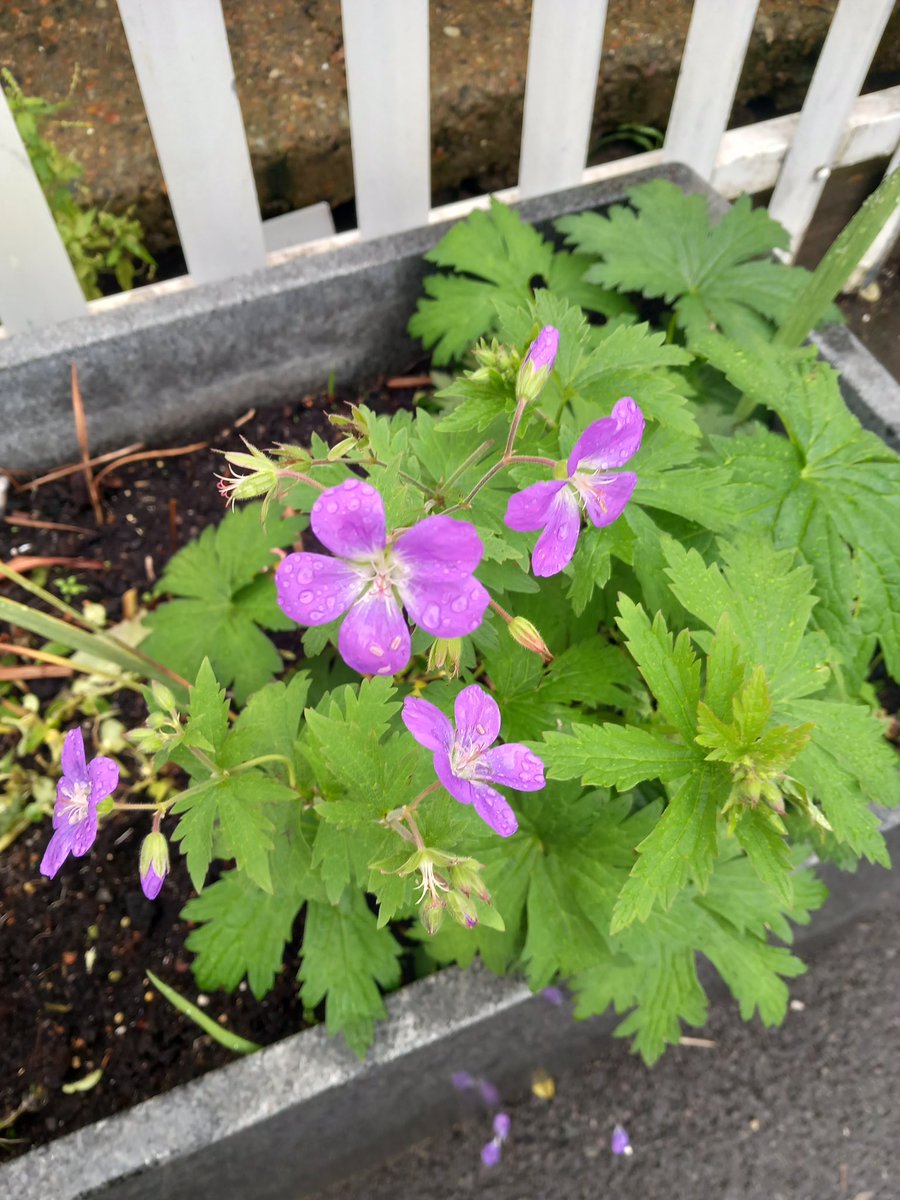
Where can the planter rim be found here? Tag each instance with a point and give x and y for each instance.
(286, 1118)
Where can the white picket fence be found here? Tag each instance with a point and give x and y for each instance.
(183, 65)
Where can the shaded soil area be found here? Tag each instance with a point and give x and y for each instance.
(804, 1112)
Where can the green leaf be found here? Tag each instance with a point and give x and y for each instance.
(681, 847)
(839, 261)
(207, 710)
(769, 853)
(615, 756)
(346, 958)
(847, 766)
(768, 601)
(231, 1041)
(242, 930)
(665, 245)
(671, 670)
(494, 253)
(223, 601)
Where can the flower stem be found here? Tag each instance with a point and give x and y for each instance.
(473, 458)
(514, 426)
(507, 617)
(263, 758)
(298, 475)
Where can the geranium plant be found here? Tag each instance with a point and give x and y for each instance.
(587, 640)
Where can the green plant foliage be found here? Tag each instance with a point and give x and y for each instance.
(225, 600)
(99, 243)
(715, 276)
(494, 255)
(696, 679)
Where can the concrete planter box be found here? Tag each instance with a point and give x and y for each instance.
(305, 1112)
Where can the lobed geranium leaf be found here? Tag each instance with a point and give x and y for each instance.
(346, 960)
(222, 601)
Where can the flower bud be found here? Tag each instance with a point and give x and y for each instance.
(432, 915)
(444, 655)
(154, 863)
(526, 635)
(537, 364)
(465, 878)
(462, 909)
(163, 696)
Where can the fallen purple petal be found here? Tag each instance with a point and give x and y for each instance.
(489, 1093)
(553, 995)
(462, 1080)
(501, 1126)
(490, 1153)
(620, 1143)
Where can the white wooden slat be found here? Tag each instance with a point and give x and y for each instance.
(711, 65)
(750, 157)
(881, 247)
(180, 53)
(386, 56)
(849, 48)
(563, 64)
(37, 283)
(295, 228)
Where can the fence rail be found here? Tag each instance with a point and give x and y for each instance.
(183, 65)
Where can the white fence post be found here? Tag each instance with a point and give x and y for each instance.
(386, 59)
(711, 65)
(183, 65)
(852, 40)
(563, 63)
(38, 285)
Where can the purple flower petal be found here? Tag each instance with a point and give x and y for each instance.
(462, 1080)
(460, 789)
(611, 441)
(427, 724)
(73, 762)
(620, 1143)
(374, 638)
(57, 850)
(489, 1093)
(513, 766)
(530, 509)
(440, 548)
(543, 350)
(151, 882)
(554, 548)
(349, 520)
(314, 589)
(451, 609)
(490, 1153)
(494, 810)
(104, 777)
(84, 833)
(501, 1126)
(605, 496)
(477, 719)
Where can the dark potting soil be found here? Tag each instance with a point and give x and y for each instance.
(74, 951)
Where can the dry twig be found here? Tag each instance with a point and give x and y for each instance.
(81, 431)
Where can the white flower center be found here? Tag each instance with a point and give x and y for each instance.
(75, 802)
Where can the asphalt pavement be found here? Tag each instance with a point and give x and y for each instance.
(808, 1111)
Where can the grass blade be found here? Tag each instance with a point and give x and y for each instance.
(231, 1041)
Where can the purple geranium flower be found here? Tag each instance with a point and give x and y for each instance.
(463, 761)
(429, 567)
(553, 506)
(82, 787)
(153, 865)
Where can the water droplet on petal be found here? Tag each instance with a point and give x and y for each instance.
(377, 650)
(331, 506)
(431, 615)
(460, 604)
(306, 597)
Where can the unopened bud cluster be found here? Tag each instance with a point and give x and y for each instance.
(448, 884)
